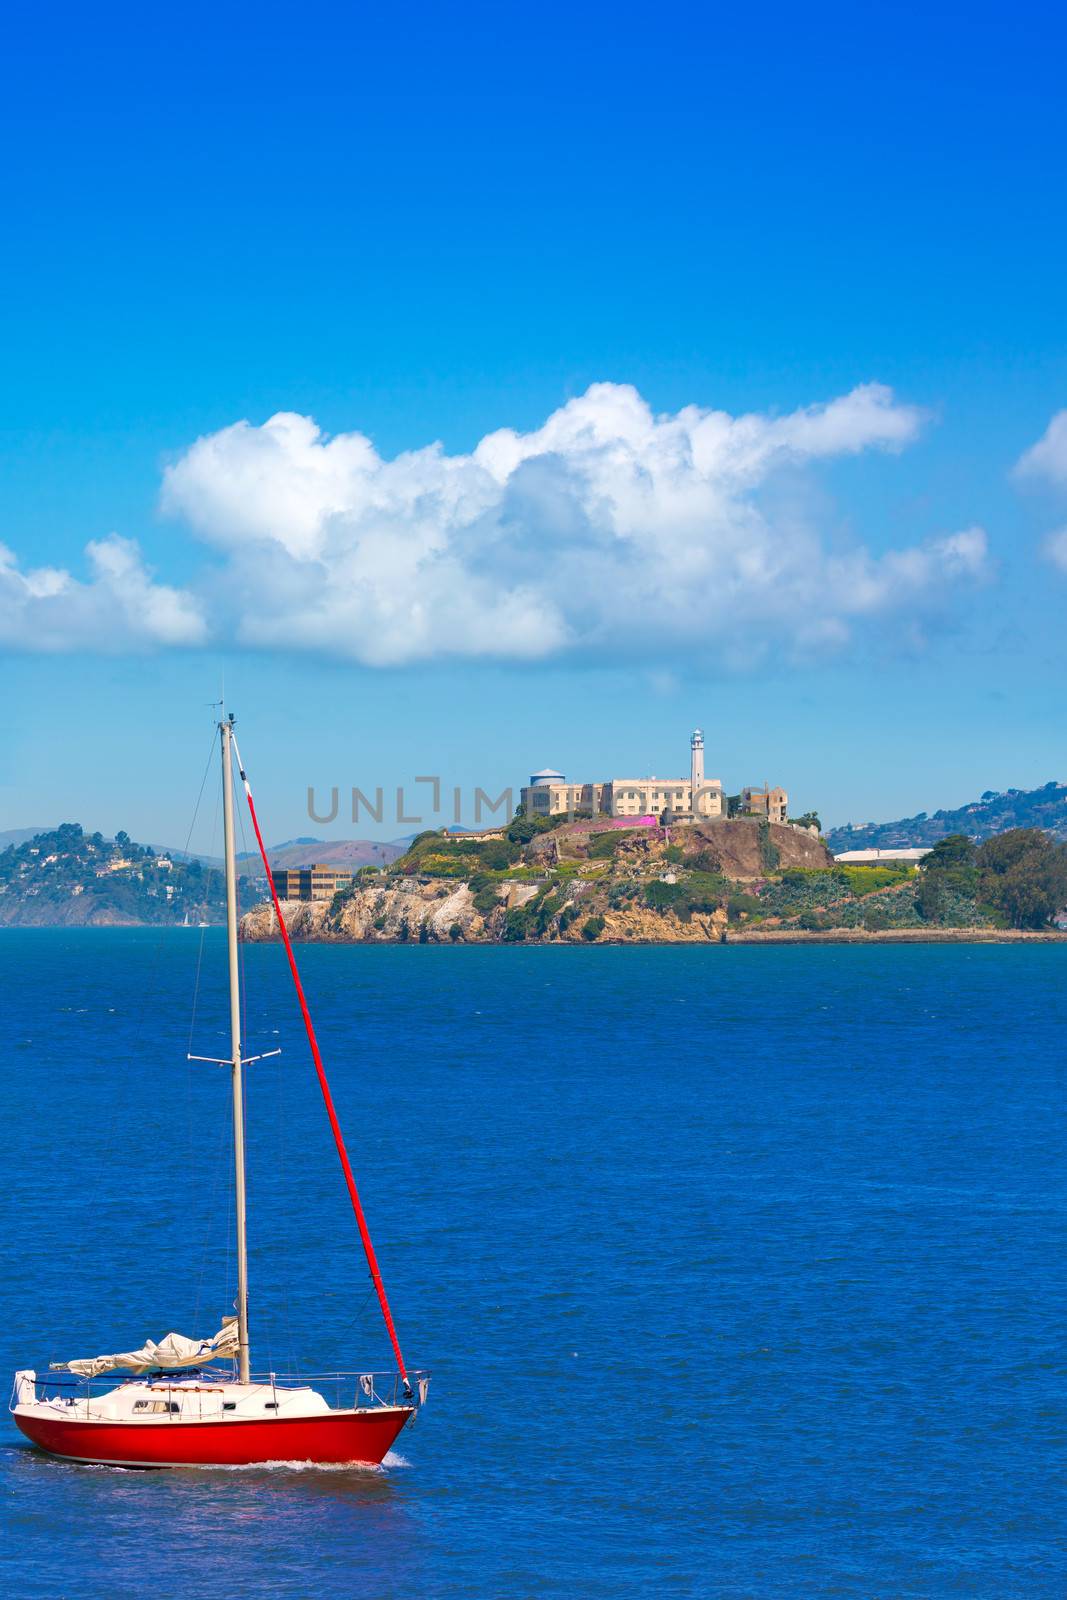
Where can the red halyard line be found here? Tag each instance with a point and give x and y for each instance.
(335, 1126)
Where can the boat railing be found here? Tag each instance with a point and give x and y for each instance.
(357, 1391)
(345, 1390)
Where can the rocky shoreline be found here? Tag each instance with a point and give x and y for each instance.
(309, 924)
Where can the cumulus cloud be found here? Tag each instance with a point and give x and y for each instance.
(119, 608)
(609, 532)
(1048, 457)
(606, 531)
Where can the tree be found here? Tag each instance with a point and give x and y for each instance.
(954, 851)
(1022, 875)
(950, 866)
(810, 819)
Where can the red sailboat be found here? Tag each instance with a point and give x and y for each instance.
(180, 1407)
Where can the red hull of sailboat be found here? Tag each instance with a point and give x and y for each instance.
(339, 1439)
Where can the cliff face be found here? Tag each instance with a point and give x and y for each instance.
(741, 846)
(420, 914)
(403, 909)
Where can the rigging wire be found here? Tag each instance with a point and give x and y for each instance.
(245, 1040)
(324, 1086)
(278, 1125)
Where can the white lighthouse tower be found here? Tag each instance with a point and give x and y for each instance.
(696, 748)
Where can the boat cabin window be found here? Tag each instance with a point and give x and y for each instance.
(229, 1405)
(270, 1405)
(158, 1406)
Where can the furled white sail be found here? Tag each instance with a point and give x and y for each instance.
(173, 1350)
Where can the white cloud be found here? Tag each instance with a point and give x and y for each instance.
(1048, 457)
(607, 530)
(1055, 548)
(119, 609)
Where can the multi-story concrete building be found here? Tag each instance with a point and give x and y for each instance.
(674, 799)
(319, 882)
(548, 794)
(770, 803)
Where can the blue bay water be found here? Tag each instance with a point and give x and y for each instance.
(740, 1271)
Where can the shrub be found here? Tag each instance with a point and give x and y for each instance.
(604, 845)
(697, 891)
(706, 860)
(484, 893)
(769, 853)
(663, 897)
(446, 865)
(868, 880)
(740, 905)
(707, 889)
(811, 921)
(516, 924)
(876, 919)
(543, 909)
(593, 928)
(498, 854)
(524, 827)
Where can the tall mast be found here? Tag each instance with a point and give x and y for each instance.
(226, 734)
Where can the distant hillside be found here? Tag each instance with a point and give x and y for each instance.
(69, 878)
(993, 813)
(351, 853)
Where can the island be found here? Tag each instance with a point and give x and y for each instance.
(723, 880)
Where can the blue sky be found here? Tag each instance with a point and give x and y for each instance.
(433, 224)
